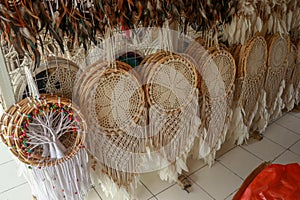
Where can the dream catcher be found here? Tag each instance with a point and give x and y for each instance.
(249, 96)
(111, 96)
(47, 134)
(217, 69)
(279, 47)
(171, 82)
(296, 76)
(55, 76)
(264, 17)
(288, 92)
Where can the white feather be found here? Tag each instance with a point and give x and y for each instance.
(270, 24)
(259, 24)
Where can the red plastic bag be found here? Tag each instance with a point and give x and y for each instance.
(275, 182)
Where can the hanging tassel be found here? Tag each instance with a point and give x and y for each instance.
(238, 131)
(260, 121)
(31, 83)
(278, 104)
(68, 180)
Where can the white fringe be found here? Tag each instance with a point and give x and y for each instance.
(297, 94)
(260, 121)
(186, 129)
(289, 100)
(110, 188)
(238, 131)
(69, 180)
(276, 110)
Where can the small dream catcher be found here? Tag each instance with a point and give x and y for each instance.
(47, 135)
(55, 76)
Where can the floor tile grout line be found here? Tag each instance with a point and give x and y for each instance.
(279, 155)
(153, 197)
(287, 128)
(280, 144)
(293, 145)
(13, 188)
(293, 113)
(251, 153)
(231, 170)
(202, 188)
(218, 158)
(97, 192)
(232, 193)
(164, 189)
(147, 188)
(6, 162)
(196, 170)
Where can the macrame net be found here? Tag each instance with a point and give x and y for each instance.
(296, 76)
(288, 92)
(172, 96)
(251, 67)
(46, 134)
(56, 75)
(279, 47)
(112, 100)
(217, 69)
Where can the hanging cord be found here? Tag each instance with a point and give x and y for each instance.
(110, 46)
(33, 89)
(165, 38)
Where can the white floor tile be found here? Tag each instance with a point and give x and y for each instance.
(5, 154)
(296, 148)
(141, 193)
(218, 181)
(291, 122)
(153, 198)
(264, 149)
(93, 195)
(295, 113)
(194, 165)
(9, 176)
(176, 193)
(230, 197)
(154, 183)
(226, 147)
(21, 192)
(240, 161)
(281, 135)
(287, 157)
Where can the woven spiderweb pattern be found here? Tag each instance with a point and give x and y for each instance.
(170, 84)
(296, 75)
(117, 100)
(277, 63)
(251, 77)
(218, 76)
(61, 82)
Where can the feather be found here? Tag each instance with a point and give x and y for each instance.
(289, 20)
(270, 24)
(259, 24)
(232, 27)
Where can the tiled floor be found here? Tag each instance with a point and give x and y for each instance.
(281, 144)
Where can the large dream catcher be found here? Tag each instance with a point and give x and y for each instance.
(251, 61)
(217, 69)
